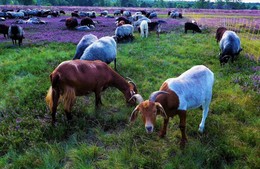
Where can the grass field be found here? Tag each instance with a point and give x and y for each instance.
(105, 138)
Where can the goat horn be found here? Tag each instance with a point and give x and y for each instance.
(155, 94)
(138, 97)
(128, 78)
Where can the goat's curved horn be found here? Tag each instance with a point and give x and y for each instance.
(128, 78)
(155, 94)
(132, 83)
(138, 97)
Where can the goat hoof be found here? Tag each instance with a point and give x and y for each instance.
(54, 123)
(161, 134)
(183, 143)
(201, 130)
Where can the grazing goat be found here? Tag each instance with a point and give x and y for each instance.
(230, 47)
(118, 12)
(4, 29)
(75, 14)
(124, 33)
(190, 90)
(127, 13)
(144, 29)
(71, 23)
(104, 13)
(151, 15)
(191, 26)
(85, 41)
(174, 14)
(87, 21)
(62, 12)
(80, 77)
(103, 49)
(16, 32)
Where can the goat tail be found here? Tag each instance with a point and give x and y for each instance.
(52, 97)
(48, 98)
(68, 98)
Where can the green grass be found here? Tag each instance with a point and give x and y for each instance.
(105, 138)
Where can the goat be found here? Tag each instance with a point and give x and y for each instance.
(174, 14)
(85, 41)
(144, 29)
(75, 14)
(138, 22)
(62, 12)
(230, 47)
(87, 21)
(121, 18)
(103, 49)
(11, 15)
(127, 13)
(4, 29)
(151, 15)
(103, 13)
(80, 77)
(124, 33)
(71, 23)
(190, 90)
(16, 32)
(191, 26)
(118, 12)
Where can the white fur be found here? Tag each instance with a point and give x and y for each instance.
(144, 29)
(85, 41)
(124, 30)
(103, 49)
(194, 89)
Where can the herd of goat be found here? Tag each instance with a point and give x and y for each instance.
(88, 71)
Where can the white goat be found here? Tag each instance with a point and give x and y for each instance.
(85, 41)
(144, 29)
(124, 32)
(103, 49)
(190, 90)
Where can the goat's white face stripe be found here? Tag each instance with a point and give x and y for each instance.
(147, 125)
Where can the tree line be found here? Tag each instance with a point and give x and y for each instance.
(200, 4)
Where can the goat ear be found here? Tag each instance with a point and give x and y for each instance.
(160, 110)
(134, 114)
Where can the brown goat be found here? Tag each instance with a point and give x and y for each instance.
(80, 77)
(71, 23)
(219, 33)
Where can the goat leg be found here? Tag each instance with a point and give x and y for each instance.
(68, 115)
(162, 133)
(182, 115)
(55, 99)
(98, 98)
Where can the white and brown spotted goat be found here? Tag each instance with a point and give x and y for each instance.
(80, 77)
(190, 90)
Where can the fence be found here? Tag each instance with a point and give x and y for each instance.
(246, 26)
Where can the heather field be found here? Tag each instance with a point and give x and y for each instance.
(104, 138)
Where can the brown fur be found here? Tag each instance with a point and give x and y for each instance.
(219, 33)
(80, 77)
